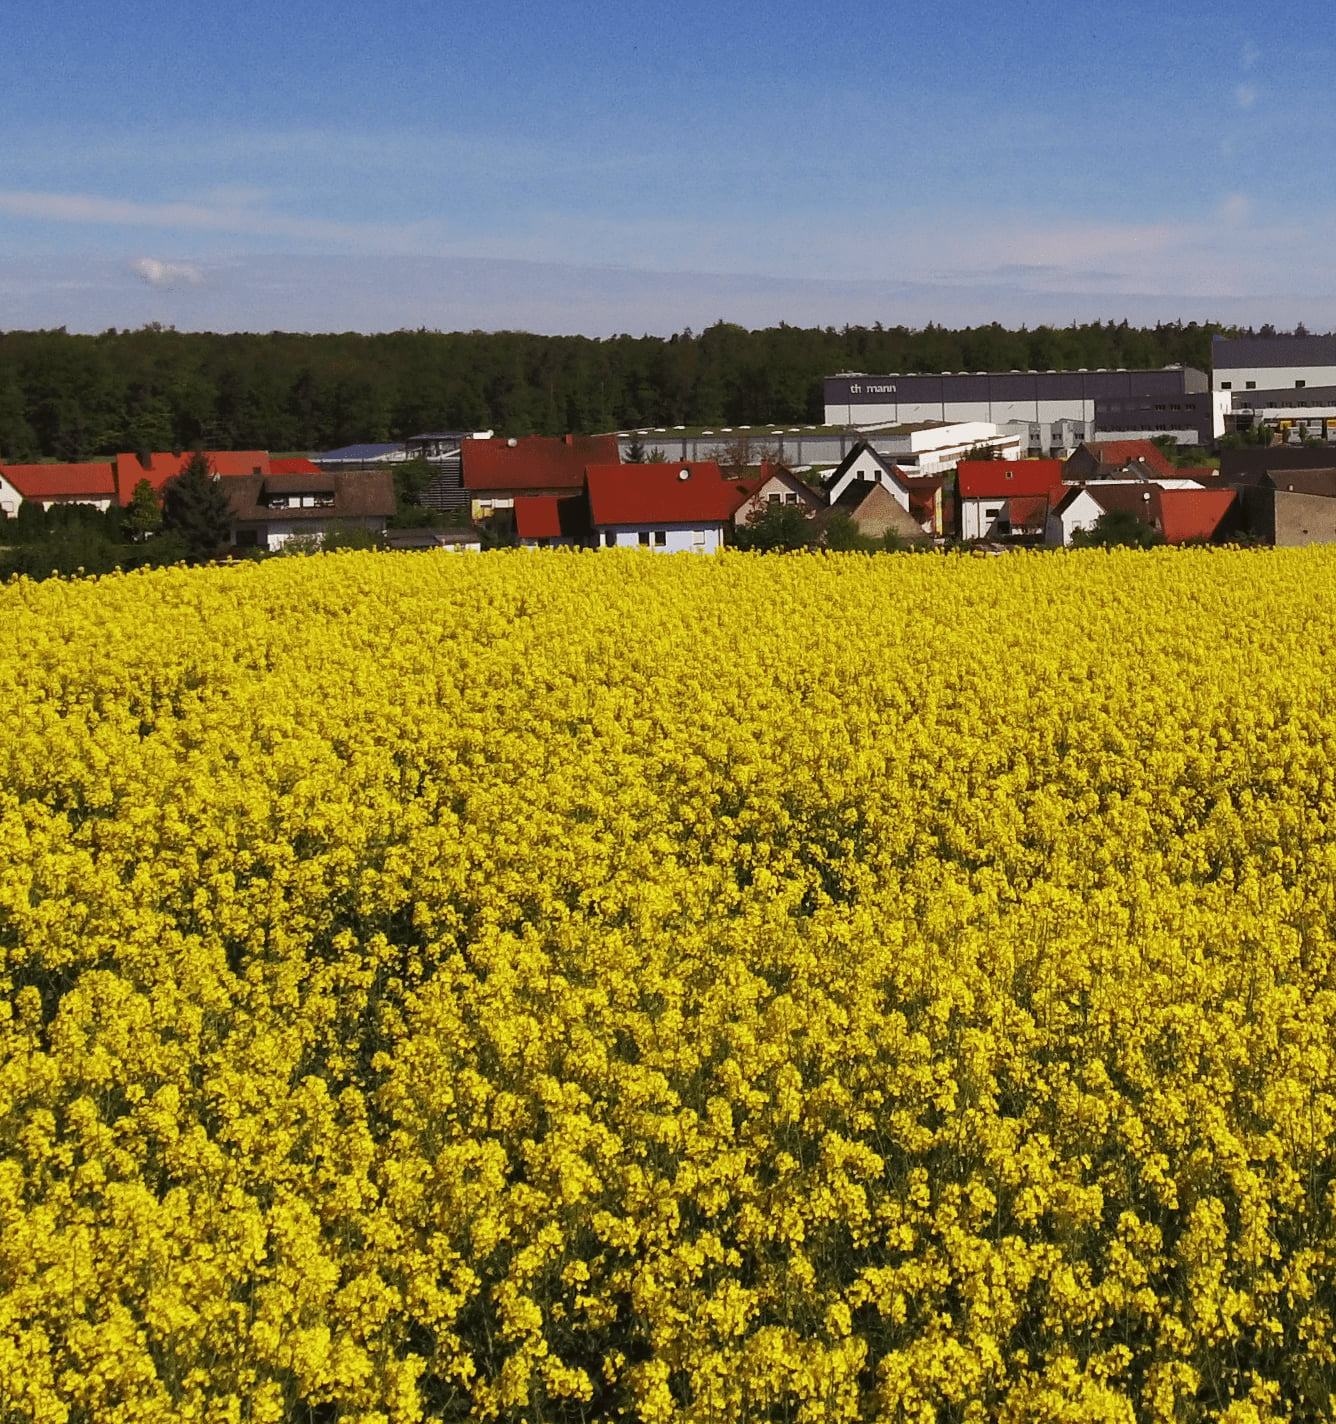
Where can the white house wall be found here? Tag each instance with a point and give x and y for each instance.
(868, 467)
(680, 538)
(978, 516)
(10, 498)
(1081, 513)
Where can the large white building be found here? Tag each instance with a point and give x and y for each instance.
(1048, 410)
(1272, 363)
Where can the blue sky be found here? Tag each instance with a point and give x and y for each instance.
(461, 165)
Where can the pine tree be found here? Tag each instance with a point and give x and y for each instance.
(143, 516)
(195, 507)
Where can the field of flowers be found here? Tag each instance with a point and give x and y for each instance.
(608, 986)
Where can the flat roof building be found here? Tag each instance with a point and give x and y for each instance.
(1048, 409)
(1270, 363)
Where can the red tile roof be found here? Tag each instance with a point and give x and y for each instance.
(163, 466)
(1006, 479)
(536, 462)
(1193, 514)
(1123, 452)
(291, 465)
(1028, 511)
(89, 480)
(658, 494)
(537, 517)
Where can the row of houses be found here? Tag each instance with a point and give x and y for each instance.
(575, 490)
(273, 499)
(1280, 495)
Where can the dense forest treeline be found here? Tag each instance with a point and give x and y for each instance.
(72, 397)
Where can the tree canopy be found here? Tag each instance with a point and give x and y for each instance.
(73, 397)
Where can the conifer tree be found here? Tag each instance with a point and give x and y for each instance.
(195, 507)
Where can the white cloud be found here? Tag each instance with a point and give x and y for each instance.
(167, 274)
(216, 216)
(1236, 208)
(1245, 95)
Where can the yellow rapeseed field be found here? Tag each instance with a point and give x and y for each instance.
(607, 986)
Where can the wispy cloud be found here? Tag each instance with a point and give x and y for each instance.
(224, 214)
(1245, 95)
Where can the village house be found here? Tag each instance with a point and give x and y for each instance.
(497, 472)
(875, 510)
(776, 486)
(87, 482)
(1179, 511)
(268, 510)
(162, 466)
(673, 508)
(1290, 507)
(1000, 499)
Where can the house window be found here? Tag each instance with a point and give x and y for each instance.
(278, 501)
(660, 537)
(772, 499)
(1299, 385)
(644, 538)
(1226, 385)
(698, 538)
(791, 499)
(1250, 385)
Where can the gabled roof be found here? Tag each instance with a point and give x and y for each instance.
(678, 492)
(1193, 514)
(315, 483)
(1248, 465)
(292, 465)
(853, 494)
(1006, 479)
(787, 478)
(536, 462)
(859, 449)
(87, 480)
(1118, 453)
(1028, 511)
(357, 494)
(1321, 482)
(1179, 514)
(550, 516)
(165, 465)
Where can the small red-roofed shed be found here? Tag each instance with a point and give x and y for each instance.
(547, 521)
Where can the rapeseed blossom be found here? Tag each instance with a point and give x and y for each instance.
(622, 987)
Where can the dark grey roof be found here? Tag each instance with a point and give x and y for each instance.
(429, 538)
(1248, 465)
(1321, 482)
(1230, 352)
(357, 494)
